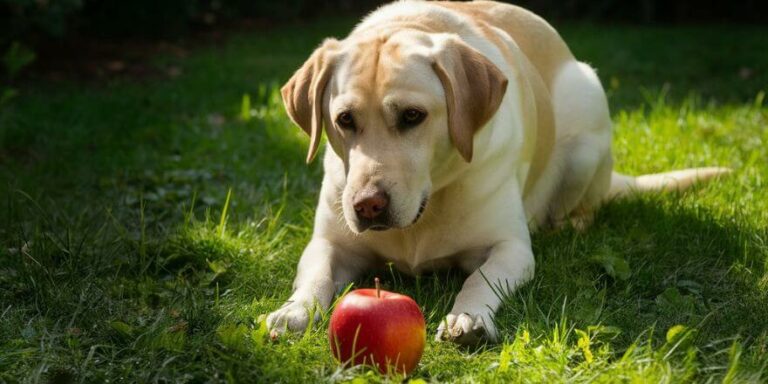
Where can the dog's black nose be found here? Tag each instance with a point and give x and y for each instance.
(370, 204)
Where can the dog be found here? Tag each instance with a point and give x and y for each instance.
(455, 129)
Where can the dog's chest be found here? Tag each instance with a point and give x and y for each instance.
(454, 231)
(418, 251)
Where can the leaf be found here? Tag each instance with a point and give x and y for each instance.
(584, 344)
(526, 337)
(672, 300)
(679, 339)
(614, 264)
(171, 341)
(218, 267)
(223, 219)
(233, 336)
(589, 305)
(122, 328)
(17, 57)
(734, 355)
(759, 99)
(245, 108)
(606, 330)
(505, 357)
(260, 334)
(675, 332)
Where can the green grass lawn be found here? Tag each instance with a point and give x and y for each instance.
(121, 260)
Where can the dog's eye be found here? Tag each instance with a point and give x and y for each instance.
(412, 117)
(345, 120)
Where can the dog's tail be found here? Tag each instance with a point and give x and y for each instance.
(623, 185)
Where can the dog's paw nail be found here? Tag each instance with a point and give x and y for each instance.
(478, 324)
(445, 327)
(292, 317)
(463, 329)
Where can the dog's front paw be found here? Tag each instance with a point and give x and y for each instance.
(466, 329)
(292, 316)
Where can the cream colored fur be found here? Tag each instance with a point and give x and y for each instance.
(517, 136)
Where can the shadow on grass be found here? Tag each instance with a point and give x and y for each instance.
(649, 263)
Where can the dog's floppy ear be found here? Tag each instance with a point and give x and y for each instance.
(303, 93)
(474, 88)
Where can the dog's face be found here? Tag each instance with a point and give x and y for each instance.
(394, 106)
(386, 120)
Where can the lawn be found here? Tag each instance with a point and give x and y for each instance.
(147, 223)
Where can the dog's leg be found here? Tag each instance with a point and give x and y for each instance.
(323, 268)
(509, 264)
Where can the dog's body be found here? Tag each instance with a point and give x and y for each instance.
(476, 115)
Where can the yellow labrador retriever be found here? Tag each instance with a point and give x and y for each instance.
(454, 130)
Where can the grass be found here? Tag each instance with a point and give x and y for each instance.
(147, 224)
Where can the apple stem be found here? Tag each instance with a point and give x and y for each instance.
(378, 287)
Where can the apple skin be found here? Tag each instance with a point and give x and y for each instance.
(392, 332)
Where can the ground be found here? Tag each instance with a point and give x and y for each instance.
(147, 223)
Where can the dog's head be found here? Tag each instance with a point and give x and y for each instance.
(394, 107)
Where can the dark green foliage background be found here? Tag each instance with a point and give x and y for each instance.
(32, 20)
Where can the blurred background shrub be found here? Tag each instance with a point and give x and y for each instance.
(651, 11)
(33, 21)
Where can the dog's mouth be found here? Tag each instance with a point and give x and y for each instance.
(386, 224)
(422, 207)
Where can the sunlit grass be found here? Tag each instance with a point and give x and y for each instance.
(148, 227)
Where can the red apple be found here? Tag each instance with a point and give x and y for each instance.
(378, 328)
